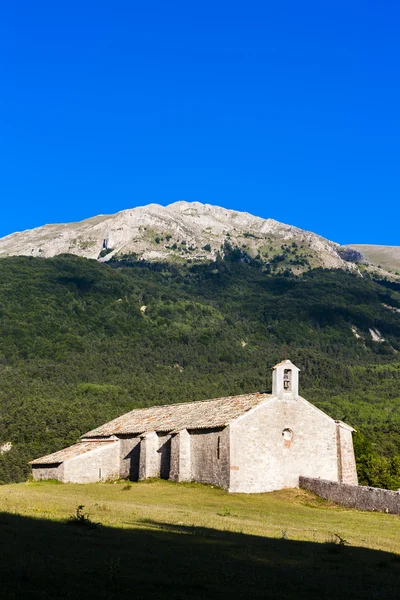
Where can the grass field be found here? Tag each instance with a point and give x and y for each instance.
(163, 540)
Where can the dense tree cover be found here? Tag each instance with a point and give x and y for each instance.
(78, 348)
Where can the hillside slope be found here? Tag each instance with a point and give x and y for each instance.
(82, 342)
(388, 257)
(178, 232)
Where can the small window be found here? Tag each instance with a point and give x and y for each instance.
(219, 447)
(287, 380)
(287, 435)
(99, 473)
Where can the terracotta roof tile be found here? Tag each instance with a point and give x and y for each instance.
(174, 417)
(71, 452)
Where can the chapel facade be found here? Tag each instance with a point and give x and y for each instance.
(250, 443)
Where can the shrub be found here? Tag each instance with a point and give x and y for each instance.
(82, 519)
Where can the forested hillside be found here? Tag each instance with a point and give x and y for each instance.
(83, 342)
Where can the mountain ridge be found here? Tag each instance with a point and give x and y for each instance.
(179, 231)
(194, 232)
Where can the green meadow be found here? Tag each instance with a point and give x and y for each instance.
(159, 539)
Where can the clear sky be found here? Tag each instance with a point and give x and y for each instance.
(285, 109)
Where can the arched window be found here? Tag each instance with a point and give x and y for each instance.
(287, 380)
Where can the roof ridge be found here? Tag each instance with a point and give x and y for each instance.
(195, 402)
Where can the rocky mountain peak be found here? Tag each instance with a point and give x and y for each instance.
(180, 232)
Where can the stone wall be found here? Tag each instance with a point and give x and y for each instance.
(346, 459)
(180, 467)
(155, 455)
(56, 471)
(100, 464)
(352, 496)
(148, 459)
(164, 455)
(209, 453)
(275, 443)
(129, 457)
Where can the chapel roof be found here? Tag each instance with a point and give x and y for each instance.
(71, 452)
(175, 417)
(285, 362)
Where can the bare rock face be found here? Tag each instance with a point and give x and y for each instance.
(178, 232)
(351, 255)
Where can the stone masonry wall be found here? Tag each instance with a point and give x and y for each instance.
(180, 467)
(148, 459)
(272, 445)
(348, 468)
(129, 457)
(164, 455)
(209, 451)
(155, 454)
(100, 464)
(48, 472)
(353, 496)
(175, 457)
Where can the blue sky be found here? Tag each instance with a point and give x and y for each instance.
(284, 109)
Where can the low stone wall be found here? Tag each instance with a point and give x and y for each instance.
(360, 497)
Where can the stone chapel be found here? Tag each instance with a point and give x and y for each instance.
(250, 443)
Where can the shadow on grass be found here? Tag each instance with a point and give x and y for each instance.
(46, 559)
